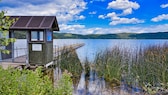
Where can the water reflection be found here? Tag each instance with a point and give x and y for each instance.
(57, 75)
(91, 85)
(81, 87)
(94, 85)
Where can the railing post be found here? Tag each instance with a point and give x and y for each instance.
(13, 51)
(16, 51)
(27, 46)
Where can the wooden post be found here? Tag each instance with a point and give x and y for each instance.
(27, 47)
(0, 47)
(13, 51)
(0, 57)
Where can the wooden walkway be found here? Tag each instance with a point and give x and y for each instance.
(21, 60)
(60, 50)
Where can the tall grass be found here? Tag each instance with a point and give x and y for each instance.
(151, 67)
(144, 66)
(109, 65)
(68, 60)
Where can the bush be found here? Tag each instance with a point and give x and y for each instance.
(64, 86)
(27, 82)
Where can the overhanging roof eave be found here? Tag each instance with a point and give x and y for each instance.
(35, 22)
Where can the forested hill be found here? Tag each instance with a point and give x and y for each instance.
(159, 35)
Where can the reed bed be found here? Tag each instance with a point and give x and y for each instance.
(145, 67)
(68, 60)
(150, 67)
(111, 63)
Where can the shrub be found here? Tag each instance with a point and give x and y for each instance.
(64, 86)
(27, 82)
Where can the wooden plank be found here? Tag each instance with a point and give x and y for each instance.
(5, 65)
(20, 59)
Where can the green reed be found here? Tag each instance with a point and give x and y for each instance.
(151, 66)
(143, 66)
(68, 60)
(109, 64)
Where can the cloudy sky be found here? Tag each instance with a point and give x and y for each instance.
(96, 16)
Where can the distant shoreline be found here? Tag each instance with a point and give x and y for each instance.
(158, 35)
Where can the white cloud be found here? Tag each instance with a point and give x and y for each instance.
(97, 1)
(102, 16)
(124, 5)
(164, 5)
(127, 11)
(127, 7)
(119, 20)
(92, 13)
(64, 10)
(160, 18)
(136, 29)
(71, 28)
(112, 15)
(81, 29)
(115, 19)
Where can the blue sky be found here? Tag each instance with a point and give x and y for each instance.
(97, 16)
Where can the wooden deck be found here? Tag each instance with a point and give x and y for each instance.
(21, 60)
(5, 65)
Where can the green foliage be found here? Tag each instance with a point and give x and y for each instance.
(5, 23)
(64, 86)
(151, 66)
(27, 82)
(109, 64)
(146, 67)
(69, 61)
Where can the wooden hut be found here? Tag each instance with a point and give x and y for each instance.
(39, 30)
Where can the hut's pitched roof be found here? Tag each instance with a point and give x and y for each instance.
(35, 22)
